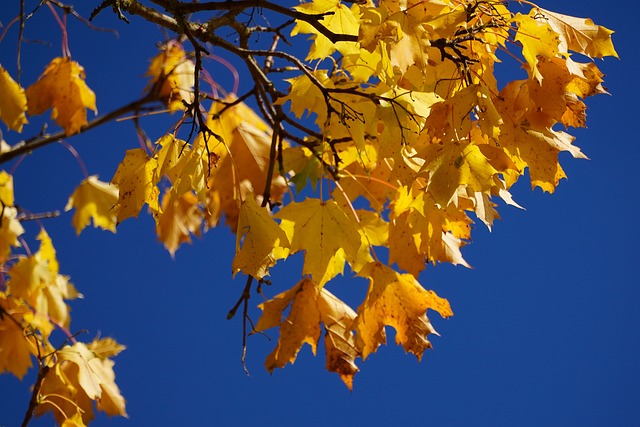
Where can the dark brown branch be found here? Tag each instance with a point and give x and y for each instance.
(311, 19)
(24, 147)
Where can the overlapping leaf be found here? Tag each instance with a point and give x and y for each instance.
(135, 179)
(310, 306)
(172, 76)
(13, 103)
(321, 229)
(260, 242)
(62, 88)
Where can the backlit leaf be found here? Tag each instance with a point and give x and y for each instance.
(321, 229)
(396, 300)
(94, 200)
(13, 102)
(260, 242)
(62, 88)
(136, 181)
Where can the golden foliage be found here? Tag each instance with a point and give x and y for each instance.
(410, 137)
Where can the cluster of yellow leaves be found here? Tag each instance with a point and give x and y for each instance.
(33, 297)
(440, 141)
(200, 182)
(61, 88)
(414, 127)
(416, 138)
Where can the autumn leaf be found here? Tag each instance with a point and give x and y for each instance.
(311, 305)
(10, 227)
(62, 88)
(339, 340)
(13, 103)
(79, 378)
(321, 229)
(580, 35)
(94, 200)
(10, 230)
(6, 189)
(538, 40)
(528, 138)
(451, 166)
(260, 242)
(244, 156)
(396, 300)
(17, 348)
(135, 178)
(172, 76)
(28, 277)
(177, 220)
(171, 157)
(422, 230)
(47, 253)
(338, 19)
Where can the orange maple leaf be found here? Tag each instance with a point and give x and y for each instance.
(311, 305)
(397, 300)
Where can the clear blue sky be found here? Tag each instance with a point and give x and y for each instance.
(545, 327)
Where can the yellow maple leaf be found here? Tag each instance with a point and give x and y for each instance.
(338, 19)
(78, 378)
(106, 347)
(94, 200)
(136, 180)
(528, 139)
(538, 40)
(420, 229)
(13, 102)
(15, 356)
(311, 305)
(47, 252)
(6, 189)
(326, 234)
(35, 280)
(177, 220)
(10, 230)
(396, 300)
(50, 299)
(171, 157)
(173, 74)
(111, 401)
(301, 326)
(260, 242)
(191, 169)
(62, 88)
(28, 277)
(580, 35)
(450, 166)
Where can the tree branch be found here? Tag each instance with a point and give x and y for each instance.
(27, 146)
